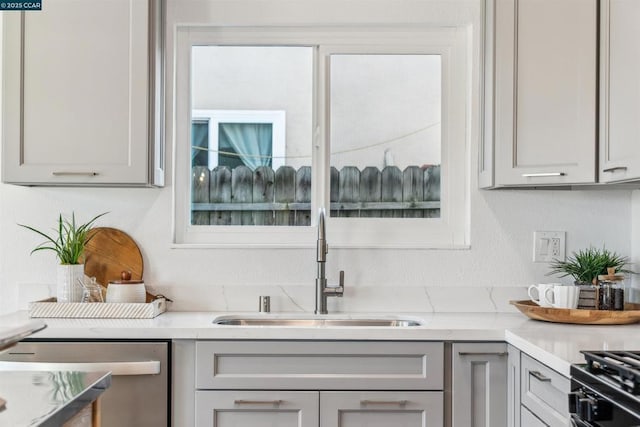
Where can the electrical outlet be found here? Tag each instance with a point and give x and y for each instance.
(548, 245)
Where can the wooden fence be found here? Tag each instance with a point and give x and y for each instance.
(283, 197)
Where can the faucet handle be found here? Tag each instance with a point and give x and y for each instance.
(338, 290)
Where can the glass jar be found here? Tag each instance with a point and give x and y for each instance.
(610, 291)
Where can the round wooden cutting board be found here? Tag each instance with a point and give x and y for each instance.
(110, 252)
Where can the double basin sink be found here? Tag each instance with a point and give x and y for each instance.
(318, 321)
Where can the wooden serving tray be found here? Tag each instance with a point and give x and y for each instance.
(630, 314)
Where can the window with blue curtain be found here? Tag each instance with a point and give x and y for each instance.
(249, 144)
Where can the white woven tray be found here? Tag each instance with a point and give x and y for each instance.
(97, 310)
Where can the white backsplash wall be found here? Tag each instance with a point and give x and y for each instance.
(495, 269)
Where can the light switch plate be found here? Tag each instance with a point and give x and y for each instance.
(548, 246)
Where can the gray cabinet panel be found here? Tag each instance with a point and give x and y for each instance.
(77, 109)
(545, 92)
(530, 420)
(319, 365)
(381, 409)
(619, 89)
(513, 386)
(257, 409)
(479, 385)
(544, 392)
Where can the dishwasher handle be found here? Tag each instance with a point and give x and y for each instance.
(147, 367)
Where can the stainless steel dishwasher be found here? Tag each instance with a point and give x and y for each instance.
(139, 392)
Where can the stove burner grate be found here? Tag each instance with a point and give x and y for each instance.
(620, 367)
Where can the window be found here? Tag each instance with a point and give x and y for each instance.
(237, 138)
(376, 131)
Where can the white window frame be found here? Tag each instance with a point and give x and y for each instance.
(276, 118)
(449, 231)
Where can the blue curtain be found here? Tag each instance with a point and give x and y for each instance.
(252, 141)
(199, 138)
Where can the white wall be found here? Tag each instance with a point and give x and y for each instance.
(502, 223)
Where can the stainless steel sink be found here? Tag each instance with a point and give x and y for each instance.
(391, 322)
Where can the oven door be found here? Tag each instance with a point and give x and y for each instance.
(592, 408)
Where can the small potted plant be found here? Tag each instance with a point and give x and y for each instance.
(68, 243)
(585, 265)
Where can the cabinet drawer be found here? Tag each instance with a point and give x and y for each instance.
(319, 365)
(530, 420)
(544, 392)
(257, 408)
(362, 408)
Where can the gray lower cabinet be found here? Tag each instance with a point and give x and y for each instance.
(381, 409)
(231, 408)
(530, 420)
(544, 392)
(318, 383)
(479, 386)
(257, 408)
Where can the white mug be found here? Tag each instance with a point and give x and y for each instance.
(540, 289)
(561, 296)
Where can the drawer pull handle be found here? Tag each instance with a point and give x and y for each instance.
(384, 402)
(543, 174)
(258, 402)
(617, 168)
(539, 376)
(482, 353)
(69, 173)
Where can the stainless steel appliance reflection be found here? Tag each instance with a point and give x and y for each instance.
(605, 391)
(139, 392)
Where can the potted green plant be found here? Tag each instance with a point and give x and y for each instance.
(585, 265)
(68, 244)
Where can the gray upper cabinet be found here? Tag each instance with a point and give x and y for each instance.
(619, 90)
(540, 92)
(80, 85)
(479, 386)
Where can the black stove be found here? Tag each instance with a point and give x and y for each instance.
(605, 391)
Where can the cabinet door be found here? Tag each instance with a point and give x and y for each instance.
(479, 385)
(381, 409)
(256, 408)
(620, 90)
(76, 93)
(530, 420)
(513, 386)
(544, 392)
(545, 92)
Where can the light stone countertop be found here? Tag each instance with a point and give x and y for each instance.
(556, 345)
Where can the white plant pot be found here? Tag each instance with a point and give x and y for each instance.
(67, 287)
